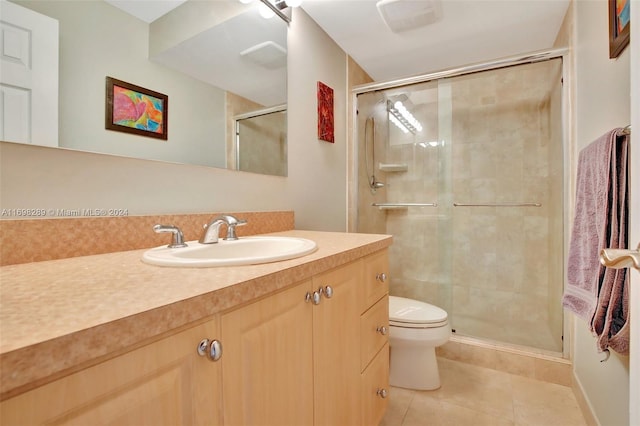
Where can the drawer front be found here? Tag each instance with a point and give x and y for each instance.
(376, 279)
(375, 388)
(374, 331)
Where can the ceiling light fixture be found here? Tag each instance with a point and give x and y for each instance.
(401, 114)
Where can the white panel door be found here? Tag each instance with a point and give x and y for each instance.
(28, 76)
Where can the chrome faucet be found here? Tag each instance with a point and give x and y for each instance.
(211, 231)
(178, 238)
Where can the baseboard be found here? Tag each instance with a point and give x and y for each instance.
(583, 402)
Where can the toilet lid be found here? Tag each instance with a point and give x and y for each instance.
(409, 311)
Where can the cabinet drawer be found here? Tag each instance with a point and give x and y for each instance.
(373, 336)
(375, 388)
(376, 279)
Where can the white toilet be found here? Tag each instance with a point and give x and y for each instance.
(415, 330)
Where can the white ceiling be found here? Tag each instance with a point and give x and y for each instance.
(146, 10)
(469, 31)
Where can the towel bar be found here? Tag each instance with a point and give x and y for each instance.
(404, 205)
(498, 205)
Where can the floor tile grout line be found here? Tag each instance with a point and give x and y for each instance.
(406, 412)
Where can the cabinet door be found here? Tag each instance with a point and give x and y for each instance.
(374, 331)
(375, 388)
(336, 357)
(267, 361)
(163, 383)
(376, 279)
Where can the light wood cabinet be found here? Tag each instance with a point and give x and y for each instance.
(267, 361)
(288, 359)
(374, 332)
(375, 382)
(163, 383)
(336, 341)
(376, 281)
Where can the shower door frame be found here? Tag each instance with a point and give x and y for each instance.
(568, 143)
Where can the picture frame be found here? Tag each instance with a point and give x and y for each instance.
(325, 113)
(619, 26)
(133, 109)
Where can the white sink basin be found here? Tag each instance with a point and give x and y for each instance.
(244, 251)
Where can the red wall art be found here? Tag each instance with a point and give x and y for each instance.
(325, 113)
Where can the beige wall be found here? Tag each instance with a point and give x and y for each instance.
(33, 177)
(317, 170)
(99, 40)
(602, 103)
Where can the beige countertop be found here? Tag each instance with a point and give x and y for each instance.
(60, 316)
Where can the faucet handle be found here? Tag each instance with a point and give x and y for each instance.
(232, 222)
(178, 238)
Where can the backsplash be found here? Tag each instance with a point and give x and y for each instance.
(35, 240)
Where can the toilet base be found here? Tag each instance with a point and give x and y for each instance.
(414, 368)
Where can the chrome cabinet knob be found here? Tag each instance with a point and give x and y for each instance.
(328, 291)
(212, 349)
(316, 298)
(382, 277)
(382, 393)
(382, 330)
(307, 297)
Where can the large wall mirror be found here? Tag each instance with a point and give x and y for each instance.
(216, 61)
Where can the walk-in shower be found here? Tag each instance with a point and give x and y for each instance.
(467, 173)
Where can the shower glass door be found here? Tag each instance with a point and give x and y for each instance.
(473, 196)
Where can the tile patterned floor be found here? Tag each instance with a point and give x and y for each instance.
(477, 396)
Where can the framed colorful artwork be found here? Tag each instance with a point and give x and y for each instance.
(134, 109)
(619, 26)
(325, 113)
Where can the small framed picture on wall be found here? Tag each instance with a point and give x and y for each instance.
(619, 26)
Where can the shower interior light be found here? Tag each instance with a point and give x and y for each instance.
(402, 114)
(397, 122)
(428, 144)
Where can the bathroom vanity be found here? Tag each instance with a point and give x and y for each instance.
(108, 339)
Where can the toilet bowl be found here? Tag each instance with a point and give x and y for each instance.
(415, 330)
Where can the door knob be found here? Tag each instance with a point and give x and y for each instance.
(620, 258)
(382, 277)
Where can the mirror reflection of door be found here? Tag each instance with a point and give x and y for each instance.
(28, 76)
(261, 141)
